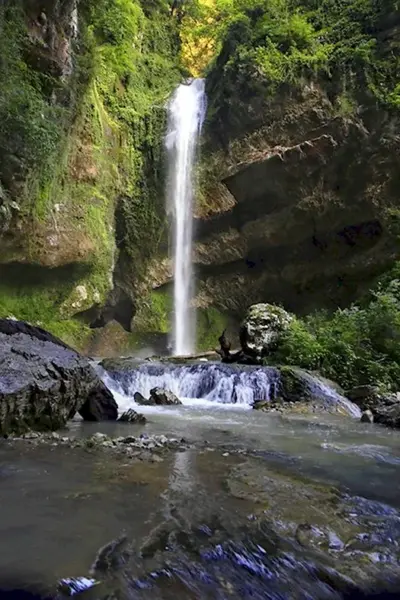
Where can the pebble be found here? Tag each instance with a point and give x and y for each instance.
(107, 444)
(225, 454)
(31, 435)
(144, 447)
(99, 437)
(156, 458)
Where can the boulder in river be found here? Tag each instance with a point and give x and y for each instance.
(141, 400)
(385, 407)
(388, 411)
(131, 416)
(43, 382)
(365, 396)
(163, 397)
(367, 416)
(262, 327)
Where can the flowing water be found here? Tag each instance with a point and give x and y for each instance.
(185, 117)
(262, 506)
(216, 383)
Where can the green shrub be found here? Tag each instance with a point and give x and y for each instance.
(356, 346)
(282, 41)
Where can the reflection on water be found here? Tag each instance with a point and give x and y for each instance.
(249, 513)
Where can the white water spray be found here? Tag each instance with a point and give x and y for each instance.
(186, 112)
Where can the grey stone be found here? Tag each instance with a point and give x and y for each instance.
(262, 327)
(43, 382)
(98, 437)
(163, 397)
(141, 400)
(367, 416)
(131, 416)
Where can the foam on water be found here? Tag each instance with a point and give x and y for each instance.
(212, 385)
(197, 385)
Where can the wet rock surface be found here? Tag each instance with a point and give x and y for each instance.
(301, 391)
(384, 407)
(163, 397)
(141, 400)
(43, 382)
(367, 416)
(131, 416)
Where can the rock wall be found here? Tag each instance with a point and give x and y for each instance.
(300, 183)
(82, 120)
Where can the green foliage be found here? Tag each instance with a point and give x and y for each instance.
(136, 67)
(283, 41)
(210, 324)
(356, 346)
(154, 313)
(69, 148)
(40, 305)
(31, 127)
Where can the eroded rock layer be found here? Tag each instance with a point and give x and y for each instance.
(301, 209)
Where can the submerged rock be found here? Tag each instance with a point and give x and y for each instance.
(161, 396)
(43, 382)
(262, 327)
(120, 365)
(261, 405)
(131, 416)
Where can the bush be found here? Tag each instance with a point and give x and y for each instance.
(285, 40)
(356, 346)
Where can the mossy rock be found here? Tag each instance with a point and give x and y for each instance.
(262, 327)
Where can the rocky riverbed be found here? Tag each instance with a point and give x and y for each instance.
(209, 504)
(190, 493)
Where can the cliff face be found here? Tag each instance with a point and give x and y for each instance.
(299, 176)
(82, 120)
(307, 207)
(300, 198)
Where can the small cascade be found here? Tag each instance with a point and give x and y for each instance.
(224, 385)
(318, 388)
(186, 112)
(219, 383)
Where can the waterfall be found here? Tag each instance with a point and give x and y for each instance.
(186, 112)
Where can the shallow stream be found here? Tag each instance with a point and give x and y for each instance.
(262, 505)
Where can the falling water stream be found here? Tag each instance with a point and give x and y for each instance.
(185, 118)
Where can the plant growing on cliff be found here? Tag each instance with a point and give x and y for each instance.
(273, 42)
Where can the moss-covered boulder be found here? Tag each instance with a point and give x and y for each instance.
(262, 328)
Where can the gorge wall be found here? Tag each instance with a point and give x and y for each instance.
(82, 117)
(299, 176)
(300, 201)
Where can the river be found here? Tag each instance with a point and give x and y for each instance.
(262, 506)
